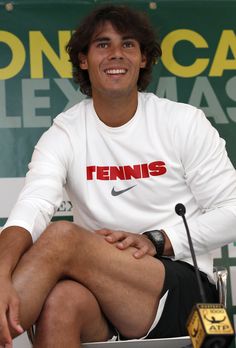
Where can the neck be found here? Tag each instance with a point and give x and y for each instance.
(115, 112)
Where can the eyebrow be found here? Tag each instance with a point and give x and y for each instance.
(98, 39)
(106, 39)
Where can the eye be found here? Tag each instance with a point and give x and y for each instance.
(129, 44)
(102, 45)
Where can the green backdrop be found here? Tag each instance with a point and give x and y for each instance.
(198, 66)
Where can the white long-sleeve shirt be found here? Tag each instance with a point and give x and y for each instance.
(131, 177)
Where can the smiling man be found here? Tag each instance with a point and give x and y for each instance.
(123, 268)
(113, 77)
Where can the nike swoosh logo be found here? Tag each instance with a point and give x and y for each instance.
(117, 193)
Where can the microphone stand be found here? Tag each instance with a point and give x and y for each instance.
(205, 332)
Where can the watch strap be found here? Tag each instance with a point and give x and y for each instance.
(158, 240)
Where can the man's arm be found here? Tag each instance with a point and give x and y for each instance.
(42, 193)
(14, 241)
(211, 178)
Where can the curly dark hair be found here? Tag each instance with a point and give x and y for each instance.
(124, 20)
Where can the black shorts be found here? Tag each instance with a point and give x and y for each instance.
(183, 294)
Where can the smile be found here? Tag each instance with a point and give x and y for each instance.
(115, 71)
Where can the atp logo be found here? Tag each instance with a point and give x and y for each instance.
(213, 319)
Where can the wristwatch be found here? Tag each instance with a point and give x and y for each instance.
(158, 240)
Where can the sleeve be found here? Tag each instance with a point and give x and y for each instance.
(43, 190)
(211, 177)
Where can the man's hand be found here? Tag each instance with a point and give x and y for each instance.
(124, 240)
(9, 312)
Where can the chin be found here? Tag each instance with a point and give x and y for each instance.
(120, 92)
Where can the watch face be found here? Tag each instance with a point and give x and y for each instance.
(158, 235)
(157, 238)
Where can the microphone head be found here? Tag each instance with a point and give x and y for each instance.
(180, 209)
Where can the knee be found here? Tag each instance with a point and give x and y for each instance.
(60, 230)
(68, 302)
(56, 245)
(61, 236)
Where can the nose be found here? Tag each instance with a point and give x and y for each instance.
(116, 52)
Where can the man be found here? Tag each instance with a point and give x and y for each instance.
(126, 158)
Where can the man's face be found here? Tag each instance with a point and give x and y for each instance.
(113, 62)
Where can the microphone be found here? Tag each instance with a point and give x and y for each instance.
(208, 324)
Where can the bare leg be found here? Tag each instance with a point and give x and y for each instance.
(127, 289)
(70, 315)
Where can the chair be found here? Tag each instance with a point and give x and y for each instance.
(221, 274)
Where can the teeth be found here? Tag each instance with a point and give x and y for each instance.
(115, 71)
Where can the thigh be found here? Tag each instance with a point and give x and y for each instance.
(128, 289)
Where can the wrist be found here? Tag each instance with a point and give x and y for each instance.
(157, 237)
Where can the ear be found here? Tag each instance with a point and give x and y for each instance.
(143, 61)
(83, 61)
